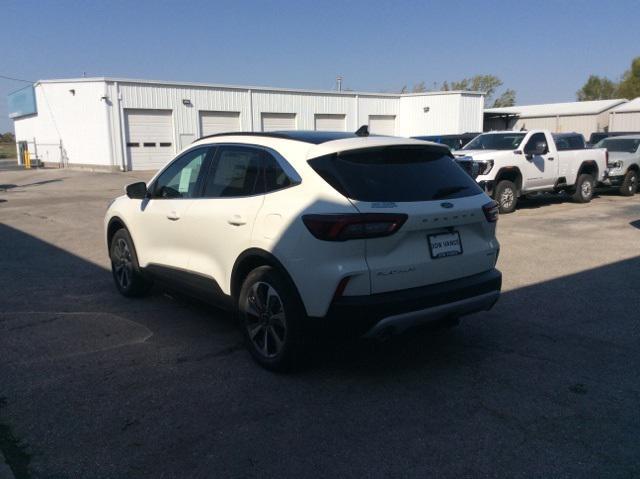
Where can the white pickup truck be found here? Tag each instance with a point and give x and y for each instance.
(511, 164)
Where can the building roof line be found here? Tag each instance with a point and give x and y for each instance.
(255, 88)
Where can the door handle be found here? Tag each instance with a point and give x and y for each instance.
(550, 158)
(237, 220)
(173, 216)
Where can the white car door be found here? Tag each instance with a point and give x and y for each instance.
(540, 171)
(221, 222)
(160, 222)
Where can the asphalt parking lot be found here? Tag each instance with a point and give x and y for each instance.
(95, 385)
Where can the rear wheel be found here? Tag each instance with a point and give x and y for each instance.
(272, 319)
(629, 184)
(584, 189)
(124, 266)
(506, 194)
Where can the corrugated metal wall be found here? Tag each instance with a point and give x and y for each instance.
(625, 121)
(94, 125)
(585, 124)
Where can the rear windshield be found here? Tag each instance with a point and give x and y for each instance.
(621, 145)
(395, 173)
(496, 141)
(569, 142)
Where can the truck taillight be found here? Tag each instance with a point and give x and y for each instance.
(491, 211)
(343, 227)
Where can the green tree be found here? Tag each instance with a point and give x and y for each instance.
(419, 87)
(8, 137)
(508, 98)
(629, 86)
(597, 88)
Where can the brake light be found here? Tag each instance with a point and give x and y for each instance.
(343, 227)
(491, 211)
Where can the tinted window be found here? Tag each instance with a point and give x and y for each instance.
(235, 172)
(274, 176)
(496, 141)
(621, 145)
(569, 142)
(395, 173)
(180, 179)
(537, 138)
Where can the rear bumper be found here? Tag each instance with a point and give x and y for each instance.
(394, 312)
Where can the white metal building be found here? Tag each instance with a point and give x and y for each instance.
(584, 117)
(110, 123)
(625, 117)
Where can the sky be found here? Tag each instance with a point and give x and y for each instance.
(545, 50)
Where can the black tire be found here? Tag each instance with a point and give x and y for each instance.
(629, 185)
(124, 266)
(583, 189)
(506, 194)
(273, 320)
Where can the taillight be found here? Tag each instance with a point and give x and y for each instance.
(491, 211)
(343, 227)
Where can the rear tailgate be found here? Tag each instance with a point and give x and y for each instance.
(437, 243)
(446, 234)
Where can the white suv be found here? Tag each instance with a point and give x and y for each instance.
(293, 228)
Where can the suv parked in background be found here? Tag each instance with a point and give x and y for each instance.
(289, 229)
(597, 137)
(454, 142)
(624, 162)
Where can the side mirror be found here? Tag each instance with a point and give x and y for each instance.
(136, 191)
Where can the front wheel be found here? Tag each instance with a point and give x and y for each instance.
(584, 189)
(506, 194)
(272, 319)
(629, 184)
(124, 265)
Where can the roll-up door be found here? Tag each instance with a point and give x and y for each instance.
(382, 125)
(149, 136)
(278, 121)
(212, 122)
(329, 122)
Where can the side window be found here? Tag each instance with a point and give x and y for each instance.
(275, 177)
(180, 179)
(535, 138)
(235, 172)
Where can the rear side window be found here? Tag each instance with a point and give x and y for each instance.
(235, 172)
(395, 173)
(569, 142)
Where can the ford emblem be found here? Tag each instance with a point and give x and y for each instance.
(446, 204)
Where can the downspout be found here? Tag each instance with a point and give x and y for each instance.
(106, 99)
(357, 112)
(123, 149)
(250, 110)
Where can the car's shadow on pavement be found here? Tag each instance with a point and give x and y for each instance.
(547, 382)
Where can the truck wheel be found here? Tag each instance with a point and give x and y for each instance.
(506, 194)
(629, 184)
(584, 189)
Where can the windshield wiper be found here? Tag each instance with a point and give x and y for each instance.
(449, 190)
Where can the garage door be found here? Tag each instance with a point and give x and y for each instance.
(278, 121)
(149, 138)
(330, 122)
(212, 122)
(382, 125)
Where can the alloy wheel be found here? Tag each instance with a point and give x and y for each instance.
(586, 189)
(122, 263)
(265, 319)
(506, 199)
